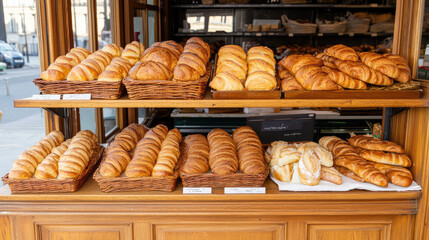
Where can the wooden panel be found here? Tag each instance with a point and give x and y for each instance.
(348, 232)
(219, 232)
(83, 232)
(5, 228)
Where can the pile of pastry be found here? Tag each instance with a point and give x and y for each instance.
(368, 159)
(223, 154)
(340, 67)
(111, 63)
(305, 163)
(169, 60)
(52, 157)
(138, 152)
(237, 71)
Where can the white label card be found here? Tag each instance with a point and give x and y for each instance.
(77, 96)
(197, 190)
(258, 34)
(47, 97)
(245, 190)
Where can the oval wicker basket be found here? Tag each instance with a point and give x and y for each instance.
(338, 27)
(293, 26)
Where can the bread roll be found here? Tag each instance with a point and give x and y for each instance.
(249, 150)
(223, 154)
(196, 158)
(146, 152)
(309, 168)
(282, 173)
(112, 49)
(371, 143)
(330, 174)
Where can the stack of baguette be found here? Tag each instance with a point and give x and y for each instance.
(78, 155)
(237, 71)
(48, 148)
(223, 154)
(157, 62)
(367, 159)
(193, 60)
(305, 163)
(138, 152)
(345, 67)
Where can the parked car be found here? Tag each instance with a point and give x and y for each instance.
(12, 57)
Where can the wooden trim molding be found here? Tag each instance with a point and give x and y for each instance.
(92, 25)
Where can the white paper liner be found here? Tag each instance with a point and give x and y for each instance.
(348, 184)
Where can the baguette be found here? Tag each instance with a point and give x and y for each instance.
(397, 175)
(396, 159)
(371, 143)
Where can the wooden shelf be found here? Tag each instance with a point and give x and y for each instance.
(209, 102)
(256, 6)
(278, 34)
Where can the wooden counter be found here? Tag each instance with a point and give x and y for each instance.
(161, 215)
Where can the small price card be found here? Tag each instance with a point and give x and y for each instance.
(290, 34)
(258, 34)
(271, 34)
(373, 5)
(351, 34)
(340, 34)
(77, 96)
(374, 34)
(245, 190)
(197, 190)
(320, 34)
(47, 97)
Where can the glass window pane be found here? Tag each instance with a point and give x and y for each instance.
(151, 27)
(138, 25)
(80, 23)
(220, 23)
(109, 116)
(195, 22)
(104, 23)
(87, 119)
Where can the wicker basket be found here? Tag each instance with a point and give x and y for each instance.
(293, 1)
(54, 185)
(126, 184)
(338, 27)
(234, 1)
(357, 25)
(97, 89)
(161, 89)
(292, 26)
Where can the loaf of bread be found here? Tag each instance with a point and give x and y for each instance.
(249, 150)
(223, 154)
(390, 158)
(309, 168)
(371, 143)
(343, 79)
(360, 71)
(193, 60)
(380, 63)
(196, 154)
(330, 174)
(133, 52)
(342, 52)
(146, 152)
(224, 81)
(363, 169)
(76, 158)
(397, 175)
(346, 172)
(401, 63)
(168, 155)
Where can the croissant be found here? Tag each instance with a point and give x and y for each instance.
(363, 169)
(380, 63)
(146, 152)
(56, 72)
(83, 72)
(223, 154)
(116, 71)
(397, 175)
(226, 82)
(196, 155)
(258, 65)
(294, 62)
(283, 73)
(102, 59)
(371, 143)
(115, 163)
(249, 149)
(59, 150)
(291, 84)
(401, 63)
(260, 81)
(48, 168)
(25, 165)
(194, 61)
(233, 49)
(261, 50)
(328, 61)
(168, 155)
(195, 55)
(343, 79)
(342, 52)
(360, 71)
(337, 146)
(132, 52)
(396, 159)
(201, 42)
(312, 77)
(162, 56)
(150, 71)
(129, 136)
(112, 49)
(261, 59)
(175, 48)
(239, 70)
(78, 54)
(46, 144)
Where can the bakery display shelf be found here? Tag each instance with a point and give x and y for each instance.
(91, 192)
(278, 34)
(255, 6)
(209, 102)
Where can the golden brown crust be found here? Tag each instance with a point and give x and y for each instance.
(312, 77)
(294, 62)
(196, 154)
(226, 82)
(249, 150)
(223, 155)
(371, 143)
(380, 63)
(112, 49)
(342, 52)
(362, 72)
(330, 174)
(150, 71)
(346, 172)
(402, 64)
(397, 175)
(343, 79)
(396, 159)
(260, 81)
(168, 155)
(48, 168)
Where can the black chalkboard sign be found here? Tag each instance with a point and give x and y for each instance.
(290, 128)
